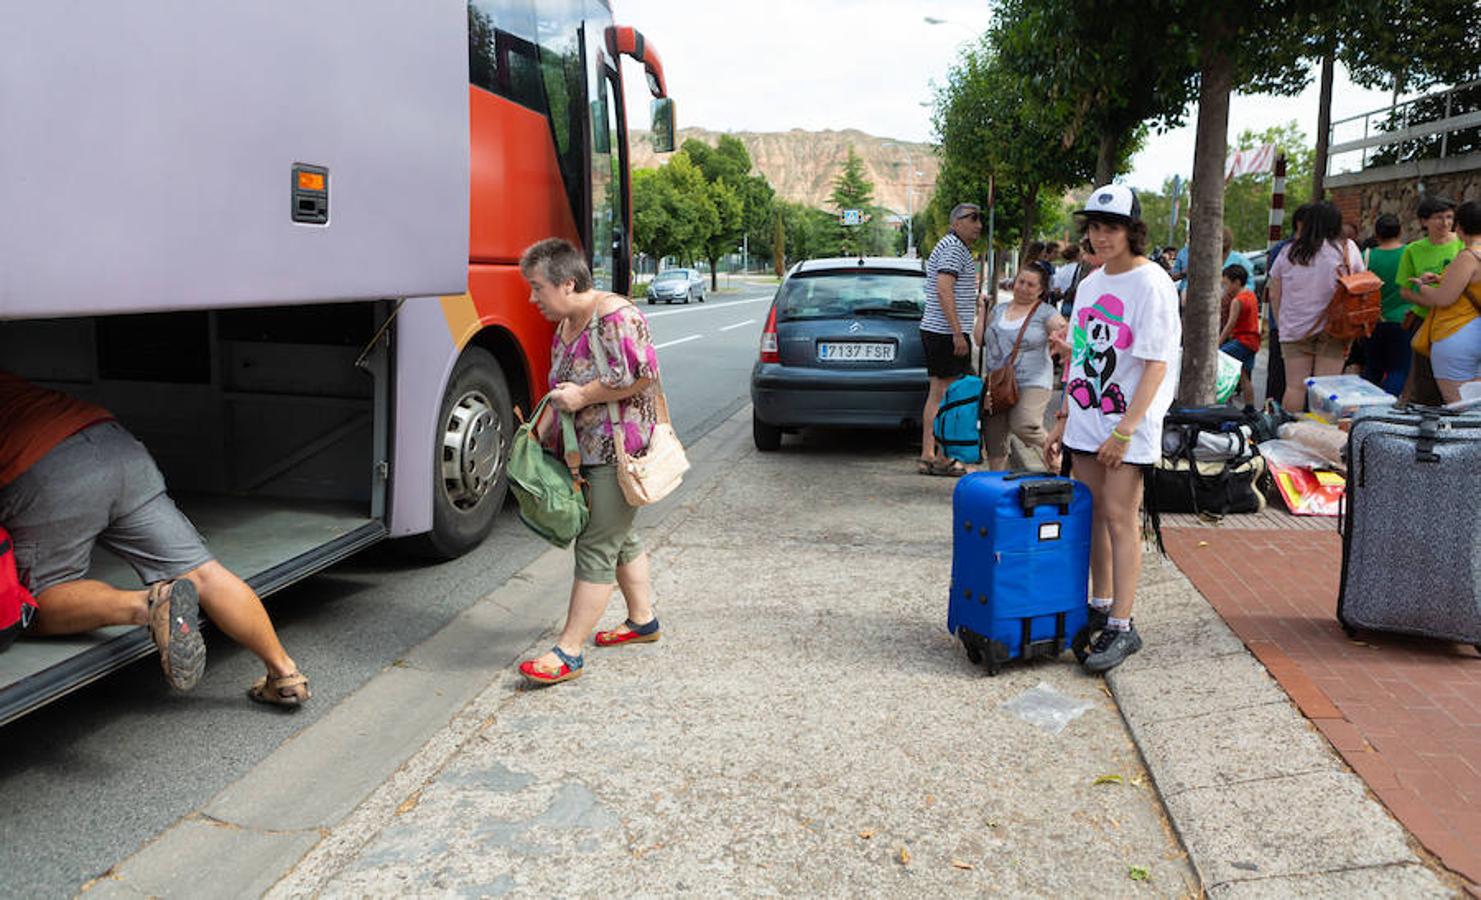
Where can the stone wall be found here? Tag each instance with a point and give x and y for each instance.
(1364, 203)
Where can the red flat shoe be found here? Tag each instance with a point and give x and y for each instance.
(571, 667)
(646, 633)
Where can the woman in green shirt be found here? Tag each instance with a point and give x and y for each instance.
(1387, 352)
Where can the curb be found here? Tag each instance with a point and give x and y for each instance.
(1261, 802)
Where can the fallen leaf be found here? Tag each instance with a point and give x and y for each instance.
(1138, 873)
(958, 864)
(930, 799)
(1109, 779)
(1203, 543)
(867, 833)
(409, 804)
(904, 856)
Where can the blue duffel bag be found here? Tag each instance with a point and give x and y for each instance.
(956, 428)
(1020, 565)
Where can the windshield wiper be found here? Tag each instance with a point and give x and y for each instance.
(909, 312)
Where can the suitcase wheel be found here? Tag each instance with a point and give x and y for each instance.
(997, 654)
(972, 641)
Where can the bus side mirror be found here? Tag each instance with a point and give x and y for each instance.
(663, 124)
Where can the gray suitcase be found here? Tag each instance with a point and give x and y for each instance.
(1411, 539)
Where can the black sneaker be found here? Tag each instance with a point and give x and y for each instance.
(1111, 648)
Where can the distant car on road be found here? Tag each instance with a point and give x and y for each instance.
(841, 347)
(677, 284)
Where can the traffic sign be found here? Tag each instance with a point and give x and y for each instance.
(852, 216)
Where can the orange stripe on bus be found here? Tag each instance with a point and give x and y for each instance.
(462, 318)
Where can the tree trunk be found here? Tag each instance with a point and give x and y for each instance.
(1030, 219)
(1323, 129)
(1105, 161)
(714, 273)
(1206, 212)
(778, 246)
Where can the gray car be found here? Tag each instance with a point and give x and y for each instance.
(677, 284)
(841, 347)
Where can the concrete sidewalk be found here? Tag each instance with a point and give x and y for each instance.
(805, 724)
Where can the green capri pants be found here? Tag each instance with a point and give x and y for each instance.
(608, 541)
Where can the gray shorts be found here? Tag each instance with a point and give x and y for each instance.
(99, 485)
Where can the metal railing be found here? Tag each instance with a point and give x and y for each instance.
(1438, 126)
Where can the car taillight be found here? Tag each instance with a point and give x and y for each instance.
(769, 351)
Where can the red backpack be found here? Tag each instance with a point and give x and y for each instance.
(17, 606)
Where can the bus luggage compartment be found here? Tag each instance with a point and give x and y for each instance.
(271, 439)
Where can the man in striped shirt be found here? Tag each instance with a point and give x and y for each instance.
(951, 304)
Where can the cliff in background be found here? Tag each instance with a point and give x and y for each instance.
(801, 165)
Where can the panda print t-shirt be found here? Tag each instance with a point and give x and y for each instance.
(1119, 324)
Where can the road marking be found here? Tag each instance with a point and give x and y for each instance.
(682, 340)
(739, 324)
(702, 308)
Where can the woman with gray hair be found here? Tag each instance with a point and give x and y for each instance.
(584, 380)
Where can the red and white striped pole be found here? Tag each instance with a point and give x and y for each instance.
(1277, 201)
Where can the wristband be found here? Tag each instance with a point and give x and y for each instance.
(1123, 438)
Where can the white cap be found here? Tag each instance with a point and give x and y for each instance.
(1113, 201)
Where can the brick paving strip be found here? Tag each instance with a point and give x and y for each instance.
(1405, 714)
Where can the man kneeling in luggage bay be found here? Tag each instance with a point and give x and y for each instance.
(71, 476)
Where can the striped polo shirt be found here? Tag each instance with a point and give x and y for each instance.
(954, 257)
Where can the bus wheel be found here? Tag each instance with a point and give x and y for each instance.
(469, 479)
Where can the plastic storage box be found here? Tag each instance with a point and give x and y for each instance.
(1334, 397)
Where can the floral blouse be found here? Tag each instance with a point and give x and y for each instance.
(630, 356)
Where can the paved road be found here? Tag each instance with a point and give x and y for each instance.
(90, 778)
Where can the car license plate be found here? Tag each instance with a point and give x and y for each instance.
(863, 351)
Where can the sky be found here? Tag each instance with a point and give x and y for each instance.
(770, 65)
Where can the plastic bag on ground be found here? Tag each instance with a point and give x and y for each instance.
(1047, 708)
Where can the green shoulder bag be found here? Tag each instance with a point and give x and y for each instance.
(551, 503)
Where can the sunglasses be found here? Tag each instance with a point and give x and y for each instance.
(975, 217)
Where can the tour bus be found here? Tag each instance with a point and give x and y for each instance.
(280, 243)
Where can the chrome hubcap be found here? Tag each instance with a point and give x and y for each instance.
(472, 450)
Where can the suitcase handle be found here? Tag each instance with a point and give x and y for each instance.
(1046, 492)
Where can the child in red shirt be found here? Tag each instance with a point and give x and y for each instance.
(1239, 332)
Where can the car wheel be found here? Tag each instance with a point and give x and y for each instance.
(687, 297)
(469, 480)
(651, 301)
(768, 438)
(701, 295)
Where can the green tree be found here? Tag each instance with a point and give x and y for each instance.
(851, 190)
(722, 237)
(729, 164)
(674, 210)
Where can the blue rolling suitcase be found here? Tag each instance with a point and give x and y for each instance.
(1020, 569)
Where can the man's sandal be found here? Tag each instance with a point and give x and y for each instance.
(281, 690)
(174, 623)
(945, 468)
(634, 634)
(571, 667)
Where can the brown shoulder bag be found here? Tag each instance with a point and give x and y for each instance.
(1357, 304)
(1000, 393)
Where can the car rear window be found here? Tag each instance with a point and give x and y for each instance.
(826, 295)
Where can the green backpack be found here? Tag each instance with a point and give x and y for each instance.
(548, 490)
